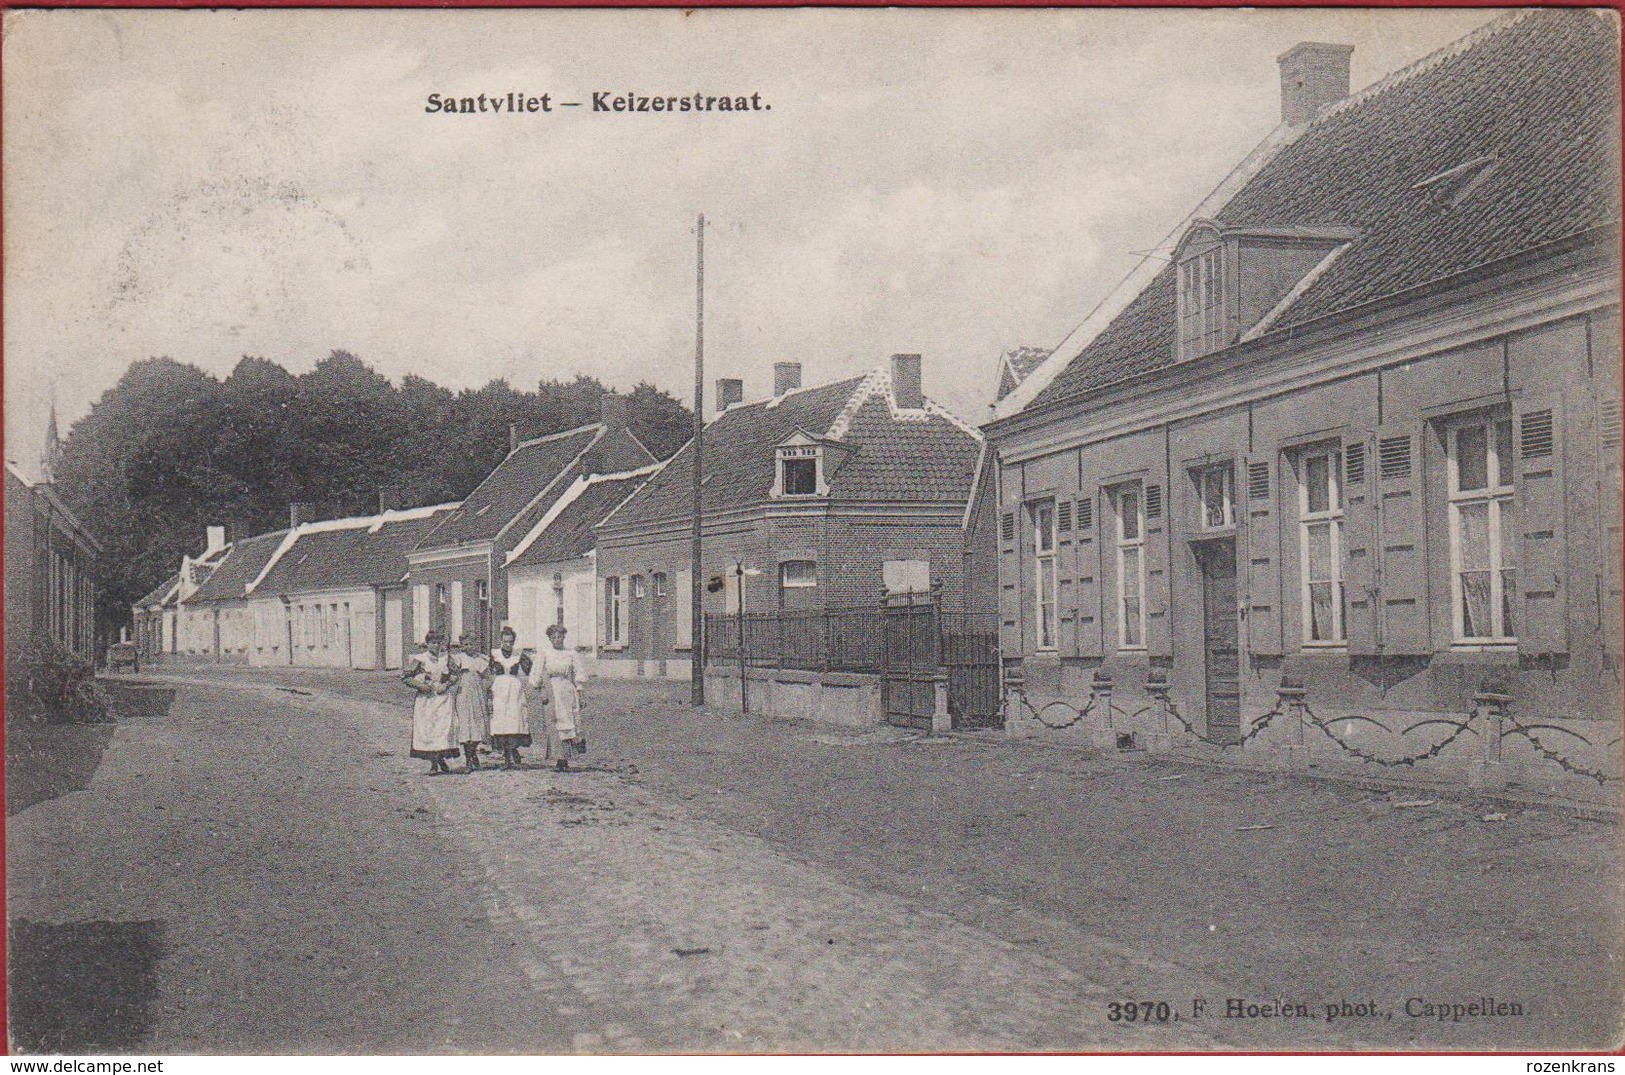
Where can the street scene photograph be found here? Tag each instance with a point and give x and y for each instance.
(812, 531)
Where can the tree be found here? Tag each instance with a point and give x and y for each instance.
(170, 450)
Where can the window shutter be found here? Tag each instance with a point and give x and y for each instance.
(1541, 525)
(683, 606)
(1402, 608)
(1359, 547)
(1158, 634)
(1010, 571)
(1263, 557)
(1088, 586)
(1066, 589)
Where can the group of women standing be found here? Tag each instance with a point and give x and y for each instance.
(466, 699)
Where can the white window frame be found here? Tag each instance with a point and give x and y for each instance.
(615, 629)
(807, 583)
(1497, 494)
(661, 588)
(1226, 475)
(1124, 543)
(1202, 321)
(791, 452)
(1046, 590)
(637, 588)
(1332, 519)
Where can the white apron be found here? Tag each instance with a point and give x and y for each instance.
(433, 715)
(510, 713)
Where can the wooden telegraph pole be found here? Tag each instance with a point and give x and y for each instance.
(696, 652)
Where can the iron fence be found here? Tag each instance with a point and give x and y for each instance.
(811, 640)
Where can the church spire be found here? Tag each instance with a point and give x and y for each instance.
(53, 446)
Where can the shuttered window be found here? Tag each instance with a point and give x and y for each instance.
(1320, 547)
(1045, 579)
(1128, 501)
(1483, 527)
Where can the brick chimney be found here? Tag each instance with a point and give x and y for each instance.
(513, 436)
(730, 391)
(1312, 74)
(614, 410)
(905, 382)
(215, 540)
(389, 498)
(786, 377)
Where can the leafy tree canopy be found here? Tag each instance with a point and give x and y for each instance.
(170, 450)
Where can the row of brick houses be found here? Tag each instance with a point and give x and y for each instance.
(1339, 479)
(841, 490)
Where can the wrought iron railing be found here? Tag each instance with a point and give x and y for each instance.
(813, 640)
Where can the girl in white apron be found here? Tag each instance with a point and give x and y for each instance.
(433, 714)
(563, 671)
(510, 716)
(471, 670)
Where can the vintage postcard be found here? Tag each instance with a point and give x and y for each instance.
(812, 530)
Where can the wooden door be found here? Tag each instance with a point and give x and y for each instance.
(1221, 647)
(394, 635)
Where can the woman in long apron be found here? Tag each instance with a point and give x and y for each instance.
(564, 672)
(510, 717)
(471, 669)
(433, 713)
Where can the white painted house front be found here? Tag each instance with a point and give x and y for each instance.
(552, 572)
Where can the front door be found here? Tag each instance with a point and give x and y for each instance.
(1221, 647)
(394, 635)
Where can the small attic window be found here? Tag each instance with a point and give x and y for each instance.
(1450, 188)
(799, 470)
(1203, 320)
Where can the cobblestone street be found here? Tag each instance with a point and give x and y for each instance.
(712, 883)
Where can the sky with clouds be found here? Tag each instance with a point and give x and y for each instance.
(207, 185)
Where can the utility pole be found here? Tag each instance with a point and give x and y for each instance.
(696, 651)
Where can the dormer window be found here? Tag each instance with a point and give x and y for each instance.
(1202, 310)
(799, 468)
(1233, 282)
(799, 473)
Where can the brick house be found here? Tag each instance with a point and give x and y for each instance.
(457, 572)
(824, 495)
(552, 575)
(1338, 481)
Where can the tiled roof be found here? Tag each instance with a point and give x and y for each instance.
(348, 553)
(883, 454)
(160, 595)
(1536, 91)
(1014, 366)
(245, 560)
(510, 490)
(568, 532)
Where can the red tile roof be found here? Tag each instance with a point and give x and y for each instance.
(1537, 91)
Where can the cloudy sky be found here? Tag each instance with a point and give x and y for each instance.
(208, 185)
